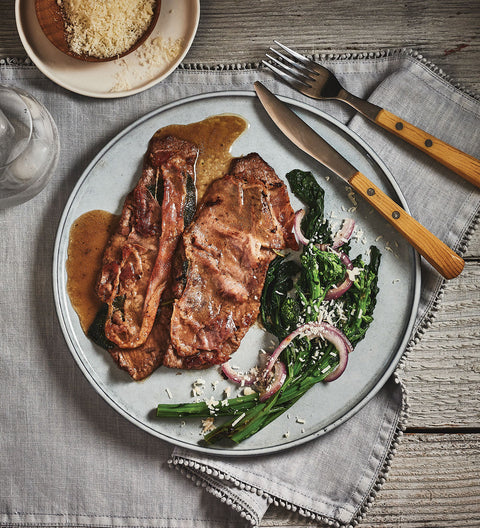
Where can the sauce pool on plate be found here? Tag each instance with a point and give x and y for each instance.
(90, 232)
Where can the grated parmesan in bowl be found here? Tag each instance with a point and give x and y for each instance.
(107, 29)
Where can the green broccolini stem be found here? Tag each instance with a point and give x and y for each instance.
(202, 409)
(227, 429)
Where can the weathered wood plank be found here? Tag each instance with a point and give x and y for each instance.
(231, 31)
(436, 29)
(442, 373)
(434, 481)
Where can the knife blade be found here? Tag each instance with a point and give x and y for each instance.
(436, 252)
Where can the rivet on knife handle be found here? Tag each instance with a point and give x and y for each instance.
(438, 254)
(459, 162)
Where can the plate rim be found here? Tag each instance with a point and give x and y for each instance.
(33, 55)
(238, 451)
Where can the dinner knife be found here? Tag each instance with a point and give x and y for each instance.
(436, 252)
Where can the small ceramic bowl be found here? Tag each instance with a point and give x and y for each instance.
(50, 18)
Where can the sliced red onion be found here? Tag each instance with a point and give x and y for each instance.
(279, 376)
(343, 236)
(311, 330)
(340, 289)
(242, 379)
(297, 228)
(342, 365)
(343, 346)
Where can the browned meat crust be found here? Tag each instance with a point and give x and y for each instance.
(140, 362)
(241, 220)
(137, 259)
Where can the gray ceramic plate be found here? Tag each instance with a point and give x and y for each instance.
(115, 170)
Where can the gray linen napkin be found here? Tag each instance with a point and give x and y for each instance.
(68, 459)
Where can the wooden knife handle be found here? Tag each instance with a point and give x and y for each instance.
(462, 164)
(440, 256)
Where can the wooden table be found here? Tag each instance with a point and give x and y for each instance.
(434, 479)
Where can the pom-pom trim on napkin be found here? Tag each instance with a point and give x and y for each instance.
(15, 61)
(390, 52)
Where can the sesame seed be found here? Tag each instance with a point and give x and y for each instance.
(238, 419)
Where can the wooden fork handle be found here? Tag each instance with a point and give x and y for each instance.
(438, 254)
(462, 164)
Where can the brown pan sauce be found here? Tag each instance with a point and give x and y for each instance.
(89, 234)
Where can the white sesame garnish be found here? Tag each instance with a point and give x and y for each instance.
(237, 420)
(208, 425)
(353, 273)
(198, 387)
(351, 196)
(169, 393)
(211, 403)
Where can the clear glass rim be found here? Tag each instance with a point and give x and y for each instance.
(19, 95)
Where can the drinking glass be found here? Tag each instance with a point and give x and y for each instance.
(29, 146)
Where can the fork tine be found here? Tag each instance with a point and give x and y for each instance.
(293, 53)
(308, 72)
(294, 72)
(292, 81)
(317, 68)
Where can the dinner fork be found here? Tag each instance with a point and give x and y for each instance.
(316, 81)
